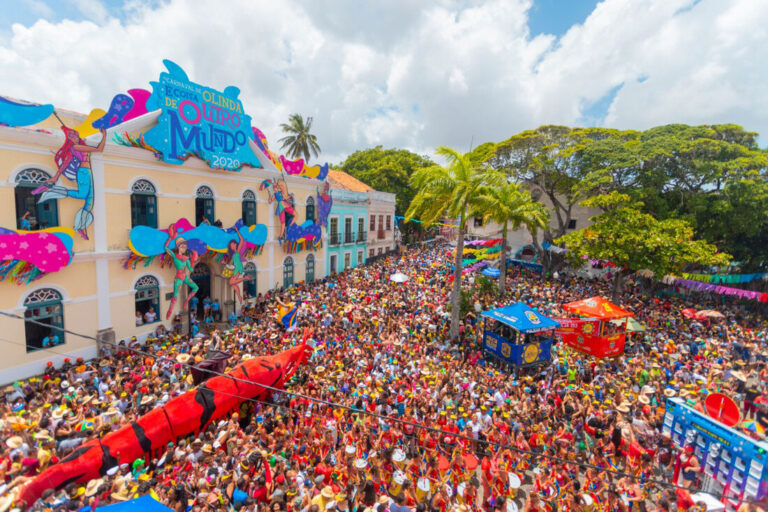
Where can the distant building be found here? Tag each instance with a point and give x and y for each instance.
(520, 241)
(347, 222)
(379, 228)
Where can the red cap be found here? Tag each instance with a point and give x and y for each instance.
(689, 448)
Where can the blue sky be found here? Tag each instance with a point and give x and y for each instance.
(557, 16)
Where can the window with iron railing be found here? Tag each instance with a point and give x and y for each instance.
(361, 236)
(334, 230)
(349, 237)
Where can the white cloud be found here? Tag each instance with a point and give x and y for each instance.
(412, 74)
(92, 9)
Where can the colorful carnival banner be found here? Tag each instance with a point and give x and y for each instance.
(714, 288)
(199, 121)
(725, 278)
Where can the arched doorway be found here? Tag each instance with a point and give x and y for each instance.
(202, 277)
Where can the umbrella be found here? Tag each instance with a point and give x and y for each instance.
(398, 278)
(632, 324)
(753, 426)
(491, 272)
(711, 313)
(690, 313)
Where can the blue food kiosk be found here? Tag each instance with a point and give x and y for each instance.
(735, 467)
(518, 335)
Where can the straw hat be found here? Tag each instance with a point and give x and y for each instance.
(15, 442)
(183, 358)
(208, 449)
(93, 486)
(643, 400)
(327, 492)
(623, 407)
(739, 375)
(122, 495)
(146, 400)
(669, 392)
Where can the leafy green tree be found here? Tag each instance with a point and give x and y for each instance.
(387, 170)
(634, 240)
(451, 191)
(299, 141)
(512, 205)
(550, 161)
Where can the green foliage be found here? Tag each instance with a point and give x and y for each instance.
(486, 285)
(299, 141)
(387, 170)
(449, 191)
(712, 176)
(635, 240)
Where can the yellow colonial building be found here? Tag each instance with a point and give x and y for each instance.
(106, 284)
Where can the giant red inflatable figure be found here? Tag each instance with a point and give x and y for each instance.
(186, 414)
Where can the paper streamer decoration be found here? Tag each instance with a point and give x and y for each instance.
(719, 289)
(552, 248)
(17, 114)
(725, 278)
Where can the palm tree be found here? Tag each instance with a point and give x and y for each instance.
(510, 205)
(451, 192)
(299, 141)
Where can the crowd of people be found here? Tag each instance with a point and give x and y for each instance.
(389, 414)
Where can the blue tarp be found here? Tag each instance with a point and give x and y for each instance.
(491, 272)
(145, 504)
(522, 318)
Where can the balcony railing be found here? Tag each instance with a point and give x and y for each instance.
(361, 236)
(335, 239)
(349, 237)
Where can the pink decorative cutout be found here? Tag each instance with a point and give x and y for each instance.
(292, 166)
(140, 97)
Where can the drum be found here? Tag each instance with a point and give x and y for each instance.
(460, 492)
(422, 489)
(589, 503)
(398, 479)
(361, 463)
(511, 506)
(398, 457)
(349, 450)
(514, 483)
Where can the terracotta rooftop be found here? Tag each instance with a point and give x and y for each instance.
(340, 179)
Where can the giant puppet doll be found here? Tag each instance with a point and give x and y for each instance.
(73, 161)
(182, 263)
